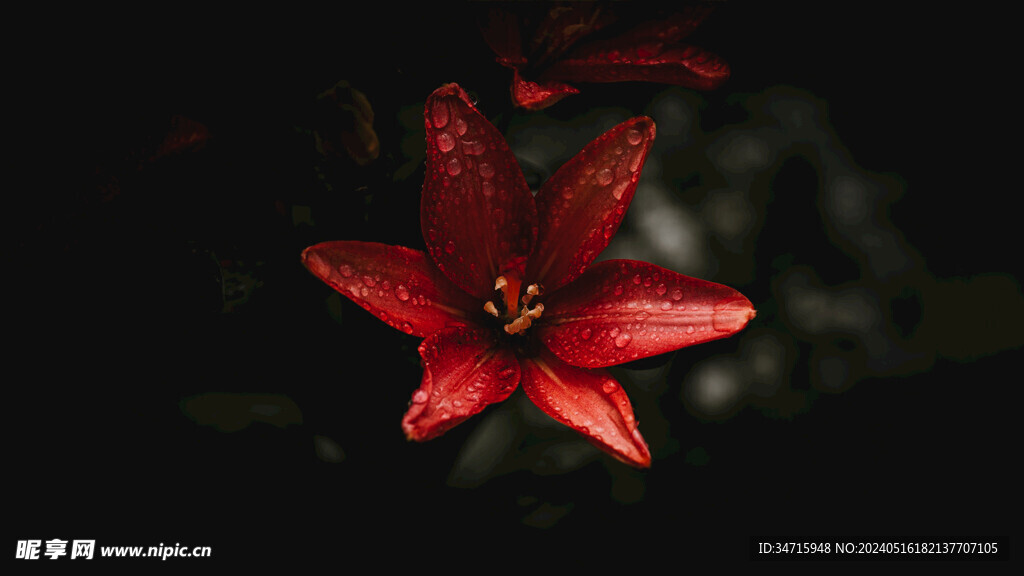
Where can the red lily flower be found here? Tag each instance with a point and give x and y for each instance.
(508, 295)
(552, 48)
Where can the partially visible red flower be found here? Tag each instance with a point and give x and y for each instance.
(508, 293)
(568, 42)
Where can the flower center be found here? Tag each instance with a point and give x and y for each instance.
(517, 318)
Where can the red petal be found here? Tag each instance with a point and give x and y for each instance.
(687, 66)
(500, 30)
(534, 96)
(581, 206)
(464, 370)
(658, 29)
(477, 213)
(589, 401)
(623, 310)
(398, 285)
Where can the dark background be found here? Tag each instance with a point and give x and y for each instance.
(177, 376)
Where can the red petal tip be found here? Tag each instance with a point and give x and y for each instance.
(733, 315)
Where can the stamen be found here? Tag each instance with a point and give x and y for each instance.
(491, 309)
(531, 291)
(526, 318)
(500, 283)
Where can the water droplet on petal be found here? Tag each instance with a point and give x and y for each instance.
(369, 281)
(445, 142)
(406, 327)
(585, 334)
(634, 136)
(440, 114)
(605, 177)
(666, 305)
(453, 166)
(618, 290)
(614, 332)
(402, 293)
(420, 397)
(486, 170)
(677, 294)
(345, 270)
(460, 126)
(473, 147)
(623, 340)
(641, 316)
(637, 279)
(610, 386)
(450, 247)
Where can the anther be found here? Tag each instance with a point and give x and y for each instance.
(531, 291)
(491, 309)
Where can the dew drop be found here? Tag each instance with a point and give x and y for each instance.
(440, 114)
(453, 166)
(623, 340)
(614, 332)
(345, 270)
(605, 177)
(620, 189)
(634, 136)
(677, 294)
(364, 292)
(641, 316)
(610, 386)
(660, 290)
(402, 293)
(473, 147)
(420, 397)
(666, 305)
(690, 330)
(450, 247)
(637, 279)
(406, 327)
(369, 281)
(585, 334)
(635, 164)
(445, 142)
(609, 231)
(486, 170)
(487, 188)
(460, 126)
(618, 290)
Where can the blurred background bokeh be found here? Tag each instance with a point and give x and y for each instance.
(177, 375)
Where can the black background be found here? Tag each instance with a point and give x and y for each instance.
(117, 315)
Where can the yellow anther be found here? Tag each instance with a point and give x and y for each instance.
(500, 283)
